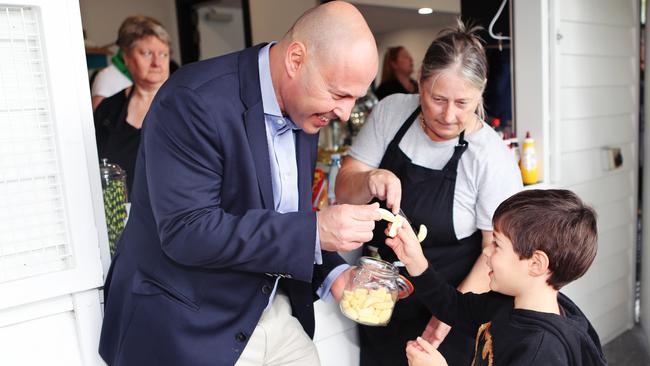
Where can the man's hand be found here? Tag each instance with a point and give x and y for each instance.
(346, 227)
(420, 353)
(385, 185)
(435, 332)
(339, 283)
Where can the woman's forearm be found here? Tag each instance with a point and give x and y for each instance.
(478, 279)
(352, 182)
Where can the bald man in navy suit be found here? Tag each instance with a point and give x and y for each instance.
(222, 256)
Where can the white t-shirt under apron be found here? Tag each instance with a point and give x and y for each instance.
(487, 172)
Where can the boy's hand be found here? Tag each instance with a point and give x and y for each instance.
(435, 332)
(408, 250)
(422, 353)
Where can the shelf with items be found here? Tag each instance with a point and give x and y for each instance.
(97, 57)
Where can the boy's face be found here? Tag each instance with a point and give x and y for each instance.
(508, 273)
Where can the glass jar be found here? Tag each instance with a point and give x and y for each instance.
(370, 296)
(115, 198)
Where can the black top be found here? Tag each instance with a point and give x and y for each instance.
(509, 336)
(393, 86)
(117, 140)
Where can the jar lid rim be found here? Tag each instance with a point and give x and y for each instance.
(379, 265)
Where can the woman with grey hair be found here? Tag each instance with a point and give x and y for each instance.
(145, 46)
(432, 157)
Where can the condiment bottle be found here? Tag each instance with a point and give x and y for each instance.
(528, 163)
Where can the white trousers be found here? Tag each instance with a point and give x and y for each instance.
(278, 339)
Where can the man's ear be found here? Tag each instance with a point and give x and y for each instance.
(538, 264)
(295, 58)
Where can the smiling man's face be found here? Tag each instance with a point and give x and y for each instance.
(322, 90)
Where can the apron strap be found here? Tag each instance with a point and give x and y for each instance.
(405, 126)
(459, 149)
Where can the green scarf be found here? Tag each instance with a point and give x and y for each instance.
(118, 61)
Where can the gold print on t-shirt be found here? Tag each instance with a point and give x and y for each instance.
(483, 352)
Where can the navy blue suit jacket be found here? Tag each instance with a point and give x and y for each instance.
(190, 280)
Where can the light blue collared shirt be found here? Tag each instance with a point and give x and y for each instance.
(284, 168)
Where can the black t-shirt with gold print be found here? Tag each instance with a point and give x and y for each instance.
(509, 336)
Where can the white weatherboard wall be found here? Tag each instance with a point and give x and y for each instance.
(50, 268)
(576, 85)
(645, 267)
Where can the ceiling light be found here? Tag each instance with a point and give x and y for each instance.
(425, 11)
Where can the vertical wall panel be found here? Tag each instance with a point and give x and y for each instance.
(595, 100)
(596, 132)
(576, 79)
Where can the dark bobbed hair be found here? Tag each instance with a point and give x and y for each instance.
(387, 70)
(556, 222)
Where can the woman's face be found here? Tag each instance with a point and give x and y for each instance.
(449, 104)
(148, 61)
(403, 63)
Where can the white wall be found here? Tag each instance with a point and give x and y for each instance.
(54, 336)
(447, 6)
(101, 18)
(416, 41)
(51, 315)
(576, 77)
(267, 28)
(219, 37)
(645, 260)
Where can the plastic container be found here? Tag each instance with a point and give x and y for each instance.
(115, 197)
(335, 165)
(514, 145)
(528, 162)
(370, 296)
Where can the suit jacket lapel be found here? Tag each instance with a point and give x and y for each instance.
(306, 150)
(256, 133)
(306, 145)
(251, 96)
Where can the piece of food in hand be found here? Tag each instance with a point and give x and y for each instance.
(395, 225)
(397, 221)
(422, 233)
(372, 307)
(386, 215)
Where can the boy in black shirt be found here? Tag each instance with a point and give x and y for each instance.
(543, 240)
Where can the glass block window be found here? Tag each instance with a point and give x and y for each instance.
(34, 237)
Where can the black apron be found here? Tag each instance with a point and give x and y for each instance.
(427, 198)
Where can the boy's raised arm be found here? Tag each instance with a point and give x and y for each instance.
(445, 302)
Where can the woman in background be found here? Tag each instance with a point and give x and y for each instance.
(432, 155)
(396, 73)
(145, 46)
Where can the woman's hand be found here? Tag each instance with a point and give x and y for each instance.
(385, 185)
(358, 183)
(421, 353)
(408, 249)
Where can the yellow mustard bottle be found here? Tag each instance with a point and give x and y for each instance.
(528, 162)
